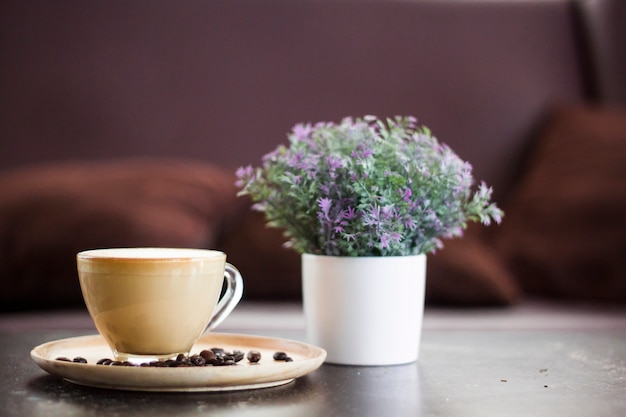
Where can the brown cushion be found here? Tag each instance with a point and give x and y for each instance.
(49, 213)
(270, 271)
(564, 233)
(469, 272)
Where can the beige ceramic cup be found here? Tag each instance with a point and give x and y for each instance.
(154, 303)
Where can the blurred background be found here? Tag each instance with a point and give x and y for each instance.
(219, 83)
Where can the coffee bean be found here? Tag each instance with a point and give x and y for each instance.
(208, 355)
(197, 360)
(63, 359)
(105, 361)
(237, 355)
(217, 361)
(282, 356)
(254, 356)
(79, 359)
(181, 357)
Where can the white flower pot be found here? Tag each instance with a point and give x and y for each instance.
(367, 310)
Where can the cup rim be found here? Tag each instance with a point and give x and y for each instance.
(151, 254)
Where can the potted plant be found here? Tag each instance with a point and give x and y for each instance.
(364, 201)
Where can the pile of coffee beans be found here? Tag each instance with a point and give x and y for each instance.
(77, 359)
(209, 357)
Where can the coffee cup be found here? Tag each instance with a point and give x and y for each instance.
(154, 303)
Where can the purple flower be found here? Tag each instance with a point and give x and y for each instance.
(349, 213)
(409, 223)
(296, 160)
(325, 204)
(387, 212)
(387, 238)
(243, 174)
(333, 162)
(244, 171)
(406, 194)
(302, 132)
(270, 156)
(372, 216)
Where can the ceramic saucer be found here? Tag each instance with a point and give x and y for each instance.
(266, 373)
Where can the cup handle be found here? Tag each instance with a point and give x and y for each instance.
(231, 297)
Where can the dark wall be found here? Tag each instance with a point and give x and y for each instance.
(224, 80)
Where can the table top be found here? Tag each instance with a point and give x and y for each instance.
(535, 359)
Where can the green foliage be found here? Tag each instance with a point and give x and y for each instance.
(366, 187)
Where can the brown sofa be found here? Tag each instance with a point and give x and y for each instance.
(121, 124)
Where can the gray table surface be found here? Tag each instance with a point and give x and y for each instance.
(535, 359)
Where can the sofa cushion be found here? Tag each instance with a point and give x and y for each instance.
(469, 272)
(271, 272)
(564, 233)
(49, 213)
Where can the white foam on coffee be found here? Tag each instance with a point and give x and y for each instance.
(151, 253)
